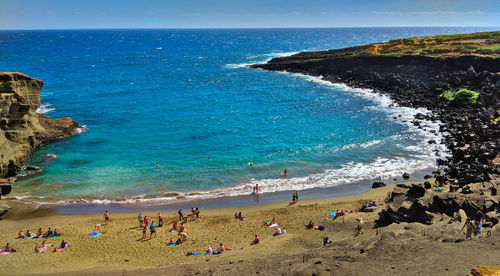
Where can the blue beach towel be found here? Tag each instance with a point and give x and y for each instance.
(171, 244)
(95, 234)
(333, 214)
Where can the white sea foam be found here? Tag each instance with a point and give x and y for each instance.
(264, 58)
(45, 108)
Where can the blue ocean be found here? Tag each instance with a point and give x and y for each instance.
(177, 113)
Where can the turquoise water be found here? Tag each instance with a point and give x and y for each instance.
(176, 97)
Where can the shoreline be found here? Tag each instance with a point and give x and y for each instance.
(235, 193)
(83, 256)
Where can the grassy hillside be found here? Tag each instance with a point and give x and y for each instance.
(485, 44)
(482, 44)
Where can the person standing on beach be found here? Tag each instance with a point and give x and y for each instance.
(140, 219)
(181, 216)
(197, 212)
(106, 217)
(296, 196)
(293, 197)
(359, 227)
(469, 228)
(256, 188)
(160, 219)
(284, 173)
(152, 229)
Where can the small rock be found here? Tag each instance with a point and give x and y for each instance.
(406, 176)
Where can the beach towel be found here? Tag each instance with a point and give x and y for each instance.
(34, 253)
(273, 225)
(173, 229)
(5, 253)
(193, 254)
(171, 244)
(333, 214)
(95, 234)
(53, 236)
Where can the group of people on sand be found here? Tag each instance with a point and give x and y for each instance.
(295, 197)
(39, 248)
(340, 213)
(311, 225)
(372, 203)
(38, 234)
(219, 250)
(238, 216)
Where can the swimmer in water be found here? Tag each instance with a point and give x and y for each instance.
(157, 165)
(284, 173)
(250, 164)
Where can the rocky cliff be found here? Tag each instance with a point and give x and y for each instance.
(22, 130)
(472, 130)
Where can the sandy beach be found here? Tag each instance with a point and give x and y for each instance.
(121, 247)
(121, 251)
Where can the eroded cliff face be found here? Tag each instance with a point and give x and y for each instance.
(22, 130)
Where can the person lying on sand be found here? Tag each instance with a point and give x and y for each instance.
(21, 235)
(39, 250)
(209, 250)
(174, 226)
(240, 217)
(182, 228)
(45, 245)
(29, 234)
(222, 248)
(278, 232)
(310, 225)
(271, 222)
(171, 241)
(256, 240)
(320, 228)
(9, 248)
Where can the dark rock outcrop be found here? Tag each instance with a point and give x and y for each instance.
(22, 130)
(413, 203)
(378, 185)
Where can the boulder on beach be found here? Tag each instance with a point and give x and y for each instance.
(378, 185)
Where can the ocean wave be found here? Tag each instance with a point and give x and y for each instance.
(45, 108)
(264, 58)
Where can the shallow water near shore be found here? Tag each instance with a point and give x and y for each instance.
(183, 99)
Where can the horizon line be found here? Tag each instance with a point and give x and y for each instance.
(241, 28)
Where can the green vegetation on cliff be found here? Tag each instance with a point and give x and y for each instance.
(460, 96)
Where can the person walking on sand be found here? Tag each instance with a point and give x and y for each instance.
(106, 217)
(181, 216)
(152, 229)
(160, 220)
(469, 228)
(359, 227)
(144, 232)
(284, 173)
(140, 219)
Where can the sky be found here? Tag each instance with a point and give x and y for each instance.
(94, 14)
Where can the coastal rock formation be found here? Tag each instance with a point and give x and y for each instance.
(413, 203)
(22, 130)
(471, 128)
